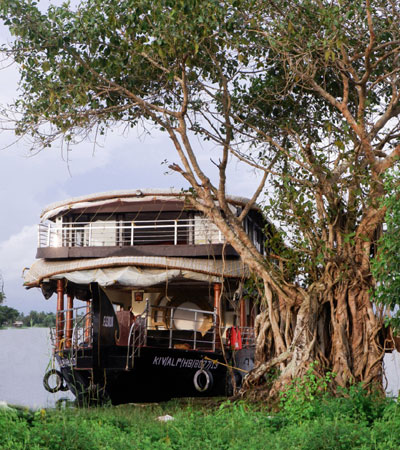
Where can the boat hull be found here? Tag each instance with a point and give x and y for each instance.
(156, 374)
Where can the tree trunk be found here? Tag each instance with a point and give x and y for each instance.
(334, 325)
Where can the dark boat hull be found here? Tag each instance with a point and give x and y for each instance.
(156, 374)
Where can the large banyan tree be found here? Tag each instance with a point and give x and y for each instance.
(304, 91)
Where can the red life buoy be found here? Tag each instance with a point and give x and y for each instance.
(234, 338)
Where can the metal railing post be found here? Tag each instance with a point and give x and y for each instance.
(48, 234)
(146, 320)
(195, 330)
(214, 329)
(132, 232)
(175, 232)
(171, 321)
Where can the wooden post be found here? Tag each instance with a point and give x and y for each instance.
(60, 314)
(242, 313)
(88, 323)
(69, 321)
(217, 309)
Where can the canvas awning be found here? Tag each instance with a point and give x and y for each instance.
(134, 271)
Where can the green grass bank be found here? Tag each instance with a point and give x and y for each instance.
(354, 420)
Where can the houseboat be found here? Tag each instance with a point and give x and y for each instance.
(150, 297)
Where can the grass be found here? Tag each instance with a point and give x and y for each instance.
(353, 420)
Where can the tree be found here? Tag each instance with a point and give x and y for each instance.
(7, 315)
(386, 266)
(2, 295)
(41, 319)
(306, 92)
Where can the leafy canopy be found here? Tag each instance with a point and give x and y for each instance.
(386, 265)
(305, 91)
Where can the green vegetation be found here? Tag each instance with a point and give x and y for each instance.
(34, 319)
(10, 315)
(308, 416)
(354, 420)
(38, 319)
(2, 295)
(386, 265)
(7, 315)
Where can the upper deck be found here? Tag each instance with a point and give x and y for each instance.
(137, 223)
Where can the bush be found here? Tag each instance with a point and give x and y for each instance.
(14, 433)
(303, 398)
(353, 420)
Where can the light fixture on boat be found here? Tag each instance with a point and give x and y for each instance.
(139, 193)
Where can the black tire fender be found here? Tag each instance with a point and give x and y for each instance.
(60, 386)
(64, 387)
(203, 386)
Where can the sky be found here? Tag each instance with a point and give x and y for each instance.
(30, 182)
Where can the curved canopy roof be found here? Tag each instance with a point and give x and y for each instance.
(137, 195)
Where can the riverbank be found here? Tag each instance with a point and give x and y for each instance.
(358, 421)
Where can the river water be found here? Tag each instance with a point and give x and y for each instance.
(25, 355)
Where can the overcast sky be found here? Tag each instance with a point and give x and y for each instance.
(28, 183)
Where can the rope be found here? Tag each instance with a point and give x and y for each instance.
(215, 361)
(61, 347)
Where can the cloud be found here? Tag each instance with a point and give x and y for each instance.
(123, 161)
(17, 252)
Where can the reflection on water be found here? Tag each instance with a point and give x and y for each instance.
(25, 355)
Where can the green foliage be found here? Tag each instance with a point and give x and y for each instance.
(39, 319)
(232, 425)
(302, 398)
(7, 315)
(74, 53)
(14, 432)
(265, 80)
(386, 264)
(310, 398)
(2, 295)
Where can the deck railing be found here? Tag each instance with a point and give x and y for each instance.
(122, 233)
(175, 326)
(248, 336)
(171, 327)
(73, 334)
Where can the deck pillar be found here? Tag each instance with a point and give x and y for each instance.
(60, 315)
(88, 323)
(217, 309)
(242, 306)
(69, 320)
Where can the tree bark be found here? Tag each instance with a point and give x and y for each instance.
(334, 325)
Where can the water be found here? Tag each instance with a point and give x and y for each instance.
(26, 353)
(391, 380)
